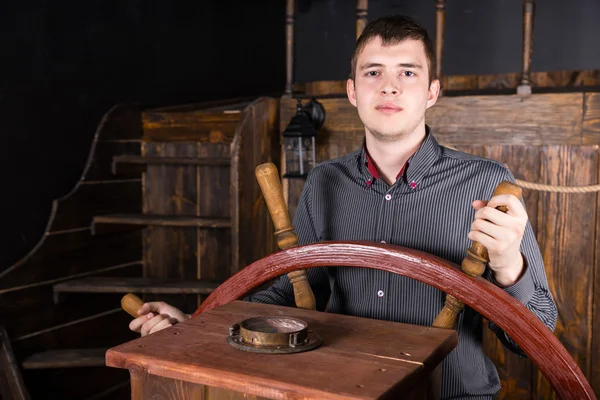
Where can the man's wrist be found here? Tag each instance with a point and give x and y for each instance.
(508, 276)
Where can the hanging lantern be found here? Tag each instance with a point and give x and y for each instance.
(299, 139)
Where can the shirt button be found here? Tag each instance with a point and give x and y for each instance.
(388, 197)
(380, 293)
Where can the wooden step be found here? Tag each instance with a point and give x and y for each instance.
(97, 284)
(129, 163)
(66, 358)
(159, 220)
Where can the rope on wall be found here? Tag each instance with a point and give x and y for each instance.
(549, 188)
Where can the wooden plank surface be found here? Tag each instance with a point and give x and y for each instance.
(567, 241)
(360, 358)
(171, 252)
(454, 84)
(163, 220)
(594, 376)
(66, 358)
(516, 373)
(259, 143)
(123, 163)
(213, 198)
(136, 285)
(591, 119)
(501, 119)
(192, 126)
(12, 385)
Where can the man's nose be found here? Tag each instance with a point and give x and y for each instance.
(390, 88)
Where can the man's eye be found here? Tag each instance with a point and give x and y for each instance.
(408, 73)
(372, 73)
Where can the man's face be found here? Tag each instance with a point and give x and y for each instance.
(391, 88)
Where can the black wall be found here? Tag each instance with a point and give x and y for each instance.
(481, 37)
(64, 64)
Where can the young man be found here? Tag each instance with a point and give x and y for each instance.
(401, 187)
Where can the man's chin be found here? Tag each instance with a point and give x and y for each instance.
(387, 135)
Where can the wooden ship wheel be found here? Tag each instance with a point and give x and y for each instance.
(464, 287)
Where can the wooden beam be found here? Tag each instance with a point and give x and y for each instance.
(135, 285)
(160, 220)
(528, 16)
(289, 47)
(440, 22)
(362, 9)
(139, 162)
(66, 358)
(11, 381)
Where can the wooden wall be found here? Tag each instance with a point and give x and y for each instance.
(493, 84)
(544, 138)
(228, 141)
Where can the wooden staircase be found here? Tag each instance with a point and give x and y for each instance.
(167, 208)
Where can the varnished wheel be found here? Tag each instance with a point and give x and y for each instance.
(527, 331)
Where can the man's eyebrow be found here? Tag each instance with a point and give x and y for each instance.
(403, 65)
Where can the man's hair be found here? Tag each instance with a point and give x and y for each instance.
(393, 30)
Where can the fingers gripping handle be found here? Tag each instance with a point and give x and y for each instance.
(473, 265)
(131, 303)
(478, 252)
(270, 185)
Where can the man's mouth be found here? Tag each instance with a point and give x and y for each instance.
(388, 108)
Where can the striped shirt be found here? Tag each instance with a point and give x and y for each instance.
(428, 208)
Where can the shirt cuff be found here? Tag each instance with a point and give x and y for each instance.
(523, 289)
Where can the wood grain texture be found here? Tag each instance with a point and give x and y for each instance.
(12, 385)
(569, 263)
(257, 142)
(491, 84)
(532, 336)
(516, 373)
(591, 119)
(467, 120)
(595, 354)
(69, 358)
(135, 285)
(356, 360)
(189, 126)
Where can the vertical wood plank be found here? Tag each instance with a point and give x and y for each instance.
(567, 240)
(170, 252)
(214, 245)
(259, 143)
(594, 375)
(524, 163)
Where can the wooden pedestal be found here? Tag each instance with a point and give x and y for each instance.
(359, 359)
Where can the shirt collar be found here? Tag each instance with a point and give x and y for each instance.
(416, 167)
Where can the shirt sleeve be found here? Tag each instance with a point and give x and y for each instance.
(282, 292)
(531, 289)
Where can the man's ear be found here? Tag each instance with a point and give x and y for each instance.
(434, 92)
(351, 91)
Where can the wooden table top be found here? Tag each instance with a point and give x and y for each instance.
(359, 359)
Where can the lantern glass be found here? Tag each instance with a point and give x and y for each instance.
(299, 155)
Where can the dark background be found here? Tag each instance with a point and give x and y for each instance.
(65, 63)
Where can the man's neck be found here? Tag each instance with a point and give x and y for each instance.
(390, 157)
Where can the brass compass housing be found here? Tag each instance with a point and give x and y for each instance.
(274, 335)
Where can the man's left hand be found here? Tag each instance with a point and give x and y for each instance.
(501, 234)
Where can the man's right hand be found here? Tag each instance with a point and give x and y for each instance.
(155, 316)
